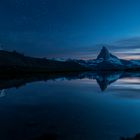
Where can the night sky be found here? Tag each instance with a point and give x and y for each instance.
(70, 28)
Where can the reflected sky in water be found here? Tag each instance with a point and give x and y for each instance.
(75, 109)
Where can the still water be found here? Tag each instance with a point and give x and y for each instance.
(85, 107)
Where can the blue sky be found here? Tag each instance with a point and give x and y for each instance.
(70, 28)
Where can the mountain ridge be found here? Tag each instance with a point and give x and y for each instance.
(105, 60)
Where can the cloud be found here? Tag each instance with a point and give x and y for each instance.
(128, 48)
(129, 42)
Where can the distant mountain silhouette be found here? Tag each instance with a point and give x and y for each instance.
(107, 61)
(104, 54)
(18, 63)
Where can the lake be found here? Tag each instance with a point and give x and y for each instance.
(85, 106)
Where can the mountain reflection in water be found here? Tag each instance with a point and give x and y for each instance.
(104, 79)
(68, 106)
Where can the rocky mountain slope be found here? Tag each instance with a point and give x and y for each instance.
(13, 61)
(107, 61)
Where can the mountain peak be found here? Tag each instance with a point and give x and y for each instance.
(104, 53)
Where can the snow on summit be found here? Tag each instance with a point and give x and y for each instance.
(105, 55)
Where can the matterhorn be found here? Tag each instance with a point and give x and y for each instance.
(104, 61)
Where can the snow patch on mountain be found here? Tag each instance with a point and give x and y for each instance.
(107, 61)
(106, 56)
